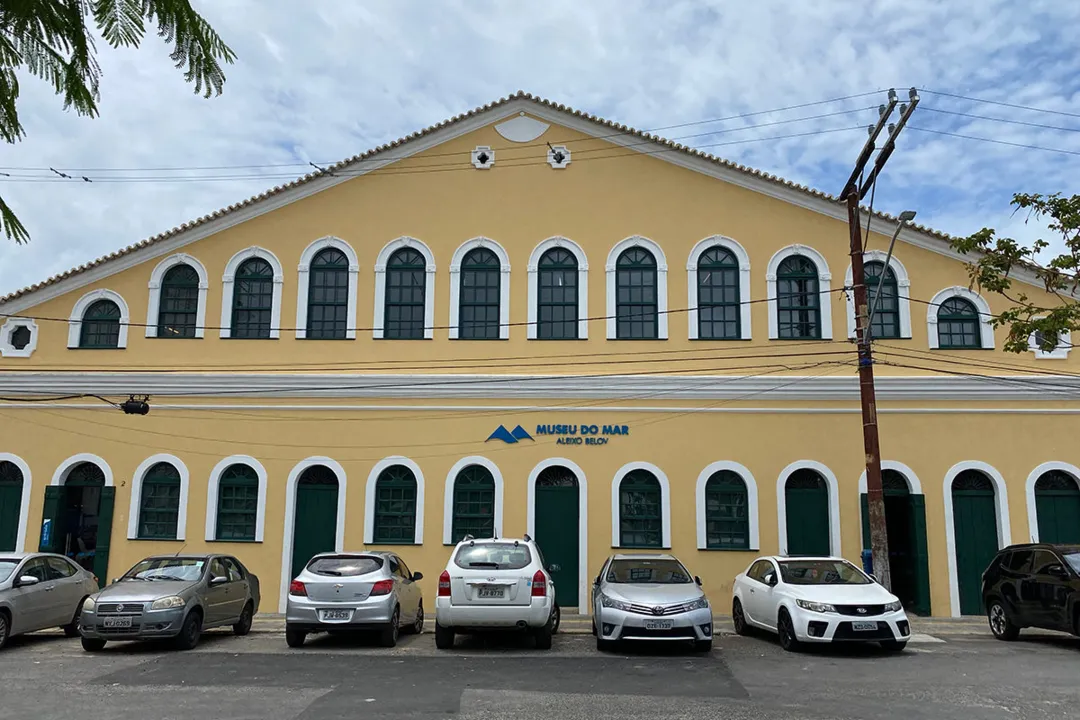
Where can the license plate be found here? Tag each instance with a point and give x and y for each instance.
(862, 626)
(659, 624)
(490, 591)
(116, 622)
(335, 615)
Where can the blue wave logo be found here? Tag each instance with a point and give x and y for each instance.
(510, 436)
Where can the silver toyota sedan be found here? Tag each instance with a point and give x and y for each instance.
(650, 597)
(39, 591)
(338, 592)
(172, 596)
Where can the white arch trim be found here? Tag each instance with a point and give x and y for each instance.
(584, 606)
(834, 503)
(24, 499)
(751, 500)
(583, 283)
(153, 306)
(1004, 532)
(84, 303)
(665, 502)
(903, 291)
(986, 336)
(824, 287)
(136, 494)
(288, 535)
(744, 282)
(913, 482)
(304, 280)
(1029, 491)
(64, 469)
(661, 284)
(504, 284)
(228, 282)
(380, 284)
(369, 497)
(212, 495)
(448, 498)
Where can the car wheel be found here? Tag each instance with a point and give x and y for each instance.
(93, 644)
(556, 620)
(893, 646)
(542, 636)
(444, 636)
(418, 624)
(189, 632)
(738, 619)
(243, 625)
(389, 635)
(5, 629)
(1000, 624)
(703, 646)
(294, 638)
(71, 630)
(786, 630)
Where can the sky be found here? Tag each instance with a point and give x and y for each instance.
(322, 80)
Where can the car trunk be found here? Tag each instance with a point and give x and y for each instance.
(325, 585)
(488, 586)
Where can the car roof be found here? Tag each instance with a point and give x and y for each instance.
(350, 553)
(785, 558)
(1060, 547)
(193, 556)
(24, 555)
(643, 556)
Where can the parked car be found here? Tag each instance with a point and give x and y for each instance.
(338, 592)
(41, 590)
(495, 584)
(172, 596)
(650, 597)
(1035, 585)
(817, 600)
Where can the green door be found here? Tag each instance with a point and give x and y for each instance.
(914, 555)
(104, 535)
(315, 520)
(976, 540)
(11, 484)
(52, 532)
(1057, 507)
(557, 523)
(807, 499)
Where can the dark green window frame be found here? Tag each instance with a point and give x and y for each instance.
(178, 303)
(557, 295)
(718, 300)
(395, 506)
(886, 323)
(637, 309)
(479, 295)
(10, 474)
(727, 512)
(474, 504)
(159, 503)
(253, 300)
(641, 522)
(406, 296)
(959, 326)
(328, 296)
(798, 299)
(238, 504)
(100, 326)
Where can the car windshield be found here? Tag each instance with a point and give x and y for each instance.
(821, 572)
(344, 565)
(189, 569)
(494, 556)
(1072, 558)
(661, 571)
(7, 566)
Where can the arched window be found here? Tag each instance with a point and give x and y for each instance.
(636, 308)
(958, 324)
(328, 296)
(405, 295)
(719, 302)
(85, 474)
(479, 295)
(159, 503)
(887, 315)
(238, 503)
(727, 519)
(474, 504)
(395, 506)
(178, 308)
(557, 295)
(798, 299)
(253, 299)
(101, 326)
(641, 521)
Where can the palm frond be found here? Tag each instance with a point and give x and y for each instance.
(120, 21)
(11, 225)
(197, 48)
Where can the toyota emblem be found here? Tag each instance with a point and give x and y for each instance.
(861, 611)
(338, 586)
(119, 608)
(658, 610)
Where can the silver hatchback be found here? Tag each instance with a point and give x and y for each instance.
(41, 590)
(338, 592)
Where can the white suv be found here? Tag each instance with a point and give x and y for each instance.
(495, 584)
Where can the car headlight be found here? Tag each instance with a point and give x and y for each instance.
(89, 604)
(610, 602)
(894, 607)
(166, 603)
(701, 603)
(815, 606)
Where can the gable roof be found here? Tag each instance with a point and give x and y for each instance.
(376, 158)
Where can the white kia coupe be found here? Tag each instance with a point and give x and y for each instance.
(817, 600)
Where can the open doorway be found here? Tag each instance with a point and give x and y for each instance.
(905, 526)
(77, 518)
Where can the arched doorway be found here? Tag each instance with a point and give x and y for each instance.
(77, 518)
(976, 537)
(806, 498)
(558, 515)
(11, 488)
(905, 522)
(315, 515)
(1057, 507)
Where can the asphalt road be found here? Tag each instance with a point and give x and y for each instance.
(257, 677)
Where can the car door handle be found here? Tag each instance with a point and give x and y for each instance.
(751, 591)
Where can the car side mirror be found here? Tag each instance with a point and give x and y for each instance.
(697, 580)
(218, 580)
(554, 567)
(26, 581)
(770, 579)
(596, 581)
(1057, 571)
(417, 576)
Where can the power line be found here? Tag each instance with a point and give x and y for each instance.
(996, 142)
(1002, 104)
(1001, 120)
(1071, 391)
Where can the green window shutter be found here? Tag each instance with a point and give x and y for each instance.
(395, 506)
(922, 556)
(864, 504)
(406, 296)
(641, 523)
(636, 295)
(328, 296)
(719, 301)
(479, 295)
(557, 295)
(159, 503)
(253, 300)
(51, 513)
(238, 503)
(11, 488)
(178, 305)
(474, 504)
(104, 535)
(727, 519)
(100, 327)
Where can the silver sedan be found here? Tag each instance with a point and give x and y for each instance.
(39, 591)
(338, 592)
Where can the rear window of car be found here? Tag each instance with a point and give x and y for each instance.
(345, 565)
(7, 566)
(493, 556)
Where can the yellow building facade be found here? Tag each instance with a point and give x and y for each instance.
(528, 319)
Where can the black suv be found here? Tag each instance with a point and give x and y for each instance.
(1035, 585)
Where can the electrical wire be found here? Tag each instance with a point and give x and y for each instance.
(1069, 390)
(997, 119)
(997, 142)
(998, 102)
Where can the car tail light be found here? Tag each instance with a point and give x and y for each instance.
(444, 584)
(297, 588)
(383, 587)
(539, 584)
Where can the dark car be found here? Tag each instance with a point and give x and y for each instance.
(1035, 585)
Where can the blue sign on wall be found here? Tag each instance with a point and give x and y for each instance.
(46, 533)
(567, 434)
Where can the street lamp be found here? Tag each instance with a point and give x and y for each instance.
(905, 217)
